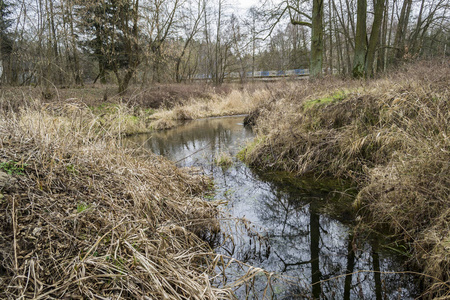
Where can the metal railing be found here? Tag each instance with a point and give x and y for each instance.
(257, 74)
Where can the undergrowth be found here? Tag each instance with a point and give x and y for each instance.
(234, 103)
(90, 220)
(390, 136)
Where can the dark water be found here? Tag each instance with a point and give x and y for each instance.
(294, 228)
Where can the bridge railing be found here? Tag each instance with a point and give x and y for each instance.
(262, 74)
(257, 74)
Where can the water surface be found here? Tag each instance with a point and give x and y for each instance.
(293, 228)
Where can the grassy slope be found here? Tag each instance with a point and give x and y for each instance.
(390, 135)
(141, 110)
(84, 219)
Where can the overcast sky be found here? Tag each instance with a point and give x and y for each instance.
(243, 4)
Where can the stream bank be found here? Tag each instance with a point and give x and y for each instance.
(390, 136)
(299, 230)
(81, 218)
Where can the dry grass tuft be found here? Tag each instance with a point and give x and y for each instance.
(234, 103)
(223, 159)
(389, 135)
(86, 219)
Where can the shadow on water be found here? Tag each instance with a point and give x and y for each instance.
(292, 227)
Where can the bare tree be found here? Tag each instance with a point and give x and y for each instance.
(359, 59)
(6, 42)
(192, 26)
(300, 15)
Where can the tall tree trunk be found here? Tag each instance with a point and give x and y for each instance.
(374, 35)
(157, 63)
(383, 37)
(217, 64)
(359, 60)
(316, 40)
(76, 61)
(399, 43)
(415, 36)
(389, 42)
(330, 15)
(58, 75)
(133, 51)
(340, 57)
(350, 14)
(325, 55)
(49, 66)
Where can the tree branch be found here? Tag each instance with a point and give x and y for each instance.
(301, 23)
(299, 12)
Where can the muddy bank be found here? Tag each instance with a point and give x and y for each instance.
(390, 136)
(81, 218)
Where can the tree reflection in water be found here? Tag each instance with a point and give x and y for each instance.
(284, 228)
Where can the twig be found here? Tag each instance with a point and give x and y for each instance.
(201, 149)
(16, 266)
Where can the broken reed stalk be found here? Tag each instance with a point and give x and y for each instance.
(14, 224)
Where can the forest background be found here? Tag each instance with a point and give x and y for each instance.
(69, 43)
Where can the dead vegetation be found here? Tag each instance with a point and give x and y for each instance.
(146, 97)
(141, 109)
(85, 219)
(389, 135)
(234, 103)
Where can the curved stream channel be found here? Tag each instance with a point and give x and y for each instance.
(291, 227)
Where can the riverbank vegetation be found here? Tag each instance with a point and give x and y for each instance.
(139, 110)
(83, 218)
(390, 136)
(235, 103)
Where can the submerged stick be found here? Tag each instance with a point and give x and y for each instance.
(201, 149)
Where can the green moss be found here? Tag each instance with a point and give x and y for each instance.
(82, 207)
(336, 96)
(104, 108)
(71, 169)
(242, 154)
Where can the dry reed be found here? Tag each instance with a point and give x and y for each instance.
(86, 219)
(234, 103)
(389, 135)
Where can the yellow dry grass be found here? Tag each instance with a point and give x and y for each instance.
(86, 219)
(389, 135)
(234, 103)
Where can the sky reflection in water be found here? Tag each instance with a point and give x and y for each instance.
(299, 241)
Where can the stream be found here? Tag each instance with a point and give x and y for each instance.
(295, 228)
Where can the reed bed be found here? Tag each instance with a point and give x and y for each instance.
(81, 218)
(390, 136)
(234, 103)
